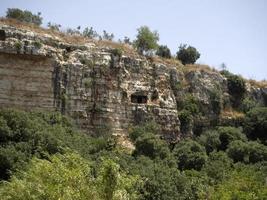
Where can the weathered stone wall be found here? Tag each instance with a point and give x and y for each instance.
(26, 82)
(103, 91)
(99, 90)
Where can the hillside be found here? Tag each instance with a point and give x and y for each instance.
(105, 85)
(93, 119)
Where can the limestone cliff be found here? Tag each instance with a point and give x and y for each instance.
(99, 87)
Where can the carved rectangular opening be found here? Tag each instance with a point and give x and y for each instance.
(2, 35)
(138, 99)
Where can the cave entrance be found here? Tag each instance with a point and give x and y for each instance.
(2, 35)
(138, 98)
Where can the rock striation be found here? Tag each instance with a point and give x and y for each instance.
(100, 88)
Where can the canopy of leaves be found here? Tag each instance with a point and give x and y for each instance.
(146, 40)
(43, 156)
(187, 54)
(256, 124)
(69, 176)
(163, 51)
(236, 86)
(190, 155)
(24, 16)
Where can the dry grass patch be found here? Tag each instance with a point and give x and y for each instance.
(74, 39)
(232, 114)
(199, 67)
(258, 84)
(128, 49)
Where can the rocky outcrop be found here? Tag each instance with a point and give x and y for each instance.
(99, 88)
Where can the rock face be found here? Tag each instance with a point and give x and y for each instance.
(99, 88)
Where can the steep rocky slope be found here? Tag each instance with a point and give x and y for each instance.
(102, 89)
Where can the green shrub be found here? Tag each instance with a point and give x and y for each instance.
(12, 158)
(117, 52)
(218, 167)
(210, 140)
(216, 101)
(24, 135)
(54, 26)
(69, 176)
(37, 44)
(186, 120)
(255, 124)
(163, 51)
(139, 131)
(245, 182)
(18, 45)
(227, 134)
(190, 155)
(187, 54)
(107, 36)
(250, 152)
(146, 40)
(236, 87)
(90, 33)
(24, 16)
(190, 104)
(248, 104)
(161, 180)
(150, 145)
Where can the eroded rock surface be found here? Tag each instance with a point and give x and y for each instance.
(101, 90)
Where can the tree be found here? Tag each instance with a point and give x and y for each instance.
(227, 134)
(217, 166)
(187, 54)
(163, 51)
(256, 124)
(24, 16)
(150, 145)
(146, 40)
(247, 152)
(245, 182)
(108, 36)
(210, 140)
(190, 155)
(54, 26)
(90, 32)
(236, 87)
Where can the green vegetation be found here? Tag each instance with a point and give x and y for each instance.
(187, 54)
(18, 45)
(163, 51)
(54, 26)
(43, 156)
(236, 86)
(37, 44)
(256, 124)
(90, 33)
(24, 16)
(117, 52)
(146, 40)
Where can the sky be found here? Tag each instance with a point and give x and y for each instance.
(233, 32)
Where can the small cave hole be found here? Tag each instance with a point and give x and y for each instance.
(138, 99)
(2, 35)
(68, 49)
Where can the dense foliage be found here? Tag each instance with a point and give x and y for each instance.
(146, 40)
(163, 51)
(24, 16)
(187, 54)
(236, 86)
(43, 156)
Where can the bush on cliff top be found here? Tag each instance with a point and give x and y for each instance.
(24, 16)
